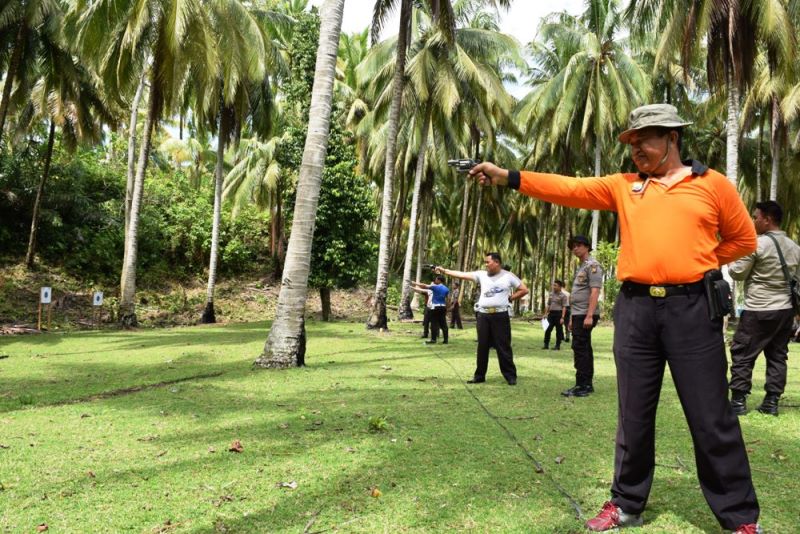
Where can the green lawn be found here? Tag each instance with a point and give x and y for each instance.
(129, 432)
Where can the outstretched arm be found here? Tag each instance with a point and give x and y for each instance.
(455, 274)
(589, 193)
(420, 285)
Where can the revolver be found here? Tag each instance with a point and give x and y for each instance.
(462, 165)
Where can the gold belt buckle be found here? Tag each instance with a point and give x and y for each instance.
(491, 310)
(658, 291)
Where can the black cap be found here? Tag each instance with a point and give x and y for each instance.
(579, 239)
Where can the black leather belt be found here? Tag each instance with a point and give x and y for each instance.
(632, 289)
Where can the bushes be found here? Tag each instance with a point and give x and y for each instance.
(82, 219)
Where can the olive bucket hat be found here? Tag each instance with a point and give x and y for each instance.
(660, 115)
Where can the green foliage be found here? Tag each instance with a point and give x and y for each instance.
(607, 254)
(303, 52)
(378, 424)
(81, 224)
(344, 248)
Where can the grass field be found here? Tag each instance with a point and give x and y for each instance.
(130, 431)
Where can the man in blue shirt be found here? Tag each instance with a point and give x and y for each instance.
(438, 295)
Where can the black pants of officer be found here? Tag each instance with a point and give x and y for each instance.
(761, 330)
(494, 330)
(455, 317)
(649, 333)
(426, 322)
(439, 322)
(582, 350)
(567, 319)
(554, 321)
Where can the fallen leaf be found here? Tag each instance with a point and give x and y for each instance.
(283, 426)
(160, 454)
(386, 368)
(349, 449)
(212, 449)
(236, 446)
(90, 474)
(375, 492)
(559, 459)
(42, 527)
(4, 446)
(318, 423)
(288, 485)
(85, 415)
(147, 438)
(538, 437)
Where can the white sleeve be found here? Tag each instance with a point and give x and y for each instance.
(515, 282)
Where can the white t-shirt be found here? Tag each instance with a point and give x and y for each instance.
(495, 290)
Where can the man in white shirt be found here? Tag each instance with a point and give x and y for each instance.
(498, 289)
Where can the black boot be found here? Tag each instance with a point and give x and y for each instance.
(770, 404)
(738, 402)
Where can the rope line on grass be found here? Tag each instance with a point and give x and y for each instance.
(539, 468)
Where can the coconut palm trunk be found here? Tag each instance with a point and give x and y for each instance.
(377, 318)
(127, 305)
(225, 120)
(596, 213)
(775, 148)
(405, 302)
(39, 193)
(423, 238)
(286, 344)
(732, 132)
(13, 67)
(132, 151)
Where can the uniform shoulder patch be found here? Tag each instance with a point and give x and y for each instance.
(594, 268)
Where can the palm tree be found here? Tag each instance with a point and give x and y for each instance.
(66, 95)
(444, 77)
(131, 32)
(28, 21)
(733, 31)
(595, 84)
(286, 345)
(244, 52)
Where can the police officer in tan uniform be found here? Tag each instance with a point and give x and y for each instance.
(585, 314)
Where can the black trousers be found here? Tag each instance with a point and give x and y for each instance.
(455, 317)
(567, 319)
(554, 320)
(761, 330)
(582, 350)
(439, 321)
(426, 321)
(649, 333)
(494, 330)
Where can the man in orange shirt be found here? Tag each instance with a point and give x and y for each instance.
(678, 220)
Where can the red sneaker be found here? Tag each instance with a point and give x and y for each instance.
(752, 528)
(612, 516)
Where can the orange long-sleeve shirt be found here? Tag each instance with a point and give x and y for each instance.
(668, 235)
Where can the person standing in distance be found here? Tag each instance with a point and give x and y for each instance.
(678, 220)
(585, 314)
(498, 289)
(556, 310)
(437, 292)
(455, 307)
(766, 322)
